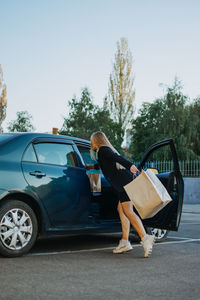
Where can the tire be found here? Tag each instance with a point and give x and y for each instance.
(160, 234)
(18, 228)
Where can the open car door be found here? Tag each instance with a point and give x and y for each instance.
(169, 217)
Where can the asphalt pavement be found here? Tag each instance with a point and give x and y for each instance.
(191, 208)
(84, 267)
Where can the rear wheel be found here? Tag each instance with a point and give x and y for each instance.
(18, 228)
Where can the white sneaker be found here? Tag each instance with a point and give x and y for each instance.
(123, 246)
(147, 243)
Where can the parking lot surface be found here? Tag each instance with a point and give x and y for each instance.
(84, 267)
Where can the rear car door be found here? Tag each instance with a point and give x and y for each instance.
(52, 171)
(169, 217)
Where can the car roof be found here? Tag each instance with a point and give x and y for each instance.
(38, 134)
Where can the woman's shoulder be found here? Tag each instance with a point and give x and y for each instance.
(105, 150)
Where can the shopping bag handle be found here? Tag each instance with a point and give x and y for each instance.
(136, 174)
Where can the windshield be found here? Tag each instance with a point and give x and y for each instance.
(6, 137)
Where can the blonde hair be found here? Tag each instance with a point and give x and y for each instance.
(100, 139)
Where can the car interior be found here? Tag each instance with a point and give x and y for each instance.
(104, 204)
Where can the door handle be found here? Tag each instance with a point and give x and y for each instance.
(37, 173)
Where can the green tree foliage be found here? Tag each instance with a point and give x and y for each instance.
(22, 123)
(85, 118)
(194, 125)
(121, 94)
(167, 117)
(3, 101)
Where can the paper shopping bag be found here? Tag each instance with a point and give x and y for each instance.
(147, 194)
(95, 182)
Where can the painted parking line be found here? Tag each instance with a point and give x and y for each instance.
(178, 238)
(69, 251)
(185, 240)
(189, 223)
(179, 242)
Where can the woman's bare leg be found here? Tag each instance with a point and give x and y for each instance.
(124, 221)
(133, 218)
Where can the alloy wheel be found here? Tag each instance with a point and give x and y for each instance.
(160, 234)
(16, 229)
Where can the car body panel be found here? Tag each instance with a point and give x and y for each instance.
(63, 196)
(64, 192)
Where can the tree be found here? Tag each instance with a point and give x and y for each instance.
(167, 117)
(85, 118)
(22, 123)
(80, 119)
(3, 101)
(113, 130)
(194, 126)
(121, 94)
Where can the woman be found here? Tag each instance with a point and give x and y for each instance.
(119, 172)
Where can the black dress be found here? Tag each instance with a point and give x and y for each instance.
(107, 159)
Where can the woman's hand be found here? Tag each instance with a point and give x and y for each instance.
(133, 169)
(89, 167)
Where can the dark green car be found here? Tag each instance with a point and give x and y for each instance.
(45, 190)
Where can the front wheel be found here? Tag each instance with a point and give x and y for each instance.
(160, 234)
(18, 228)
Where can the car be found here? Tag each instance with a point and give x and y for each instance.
(45, 191)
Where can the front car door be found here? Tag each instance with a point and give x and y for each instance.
(169, 217)
(52, 171)
(103, 206)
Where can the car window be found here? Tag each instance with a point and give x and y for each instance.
(29, 154)
(160, 159)
(85, 153)
(56, 154)
(6, 137)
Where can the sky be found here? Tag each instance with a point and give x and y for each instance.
(51, 49)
